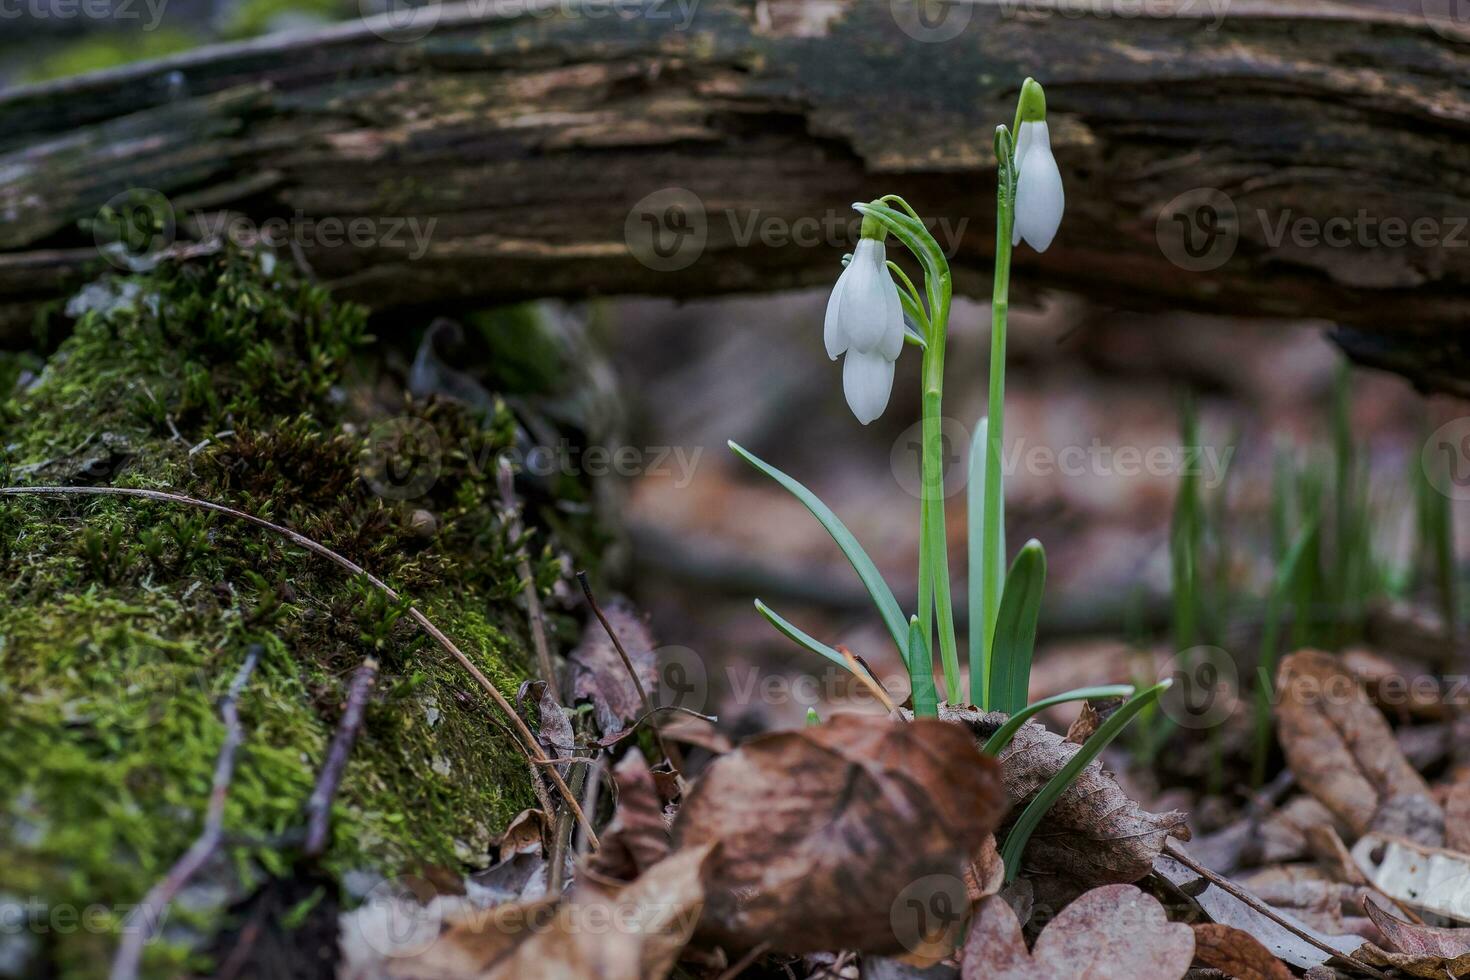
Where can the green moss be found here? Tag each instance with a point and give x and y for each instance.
(255, 17)
(108, 51)
(121, 621)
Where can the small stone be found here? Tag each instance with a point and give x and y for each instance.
(423, 523)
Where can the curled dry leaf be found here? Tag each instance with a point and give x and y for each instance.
(1094, 834)
(1236, 953)
(1429, 878)
(1343, 752)
(554, 728)
(596, 672)
(823, 829)
(1424, 951)
(1111, 933)
(638, 836)
(633, 932)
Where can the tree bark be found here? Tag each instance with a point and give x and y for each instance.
(1309, 144)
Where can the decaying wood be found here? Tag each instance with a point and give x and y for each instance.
(521, 137)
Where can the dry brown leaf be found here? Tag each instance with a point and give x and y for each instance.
(1424, 951)
(1221, 906)
(1343, 752)
(1094, 834)
(677, 726)
(1091, 717)
(1399, 687)
(823, 829)
(638, 836)
(554, 728)
(596, 672)
(1115, 932)
(1457, 816)
(1236, 953)
(630, 933)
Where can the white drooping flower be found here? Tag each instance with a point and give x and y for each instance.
(1039, 197)
(865, 323)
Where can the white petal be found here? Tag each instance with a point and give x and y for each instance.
(864, 306)
(1039, 197)
(833, 333)
(1023, 140)
(867, 381)
(892, 343)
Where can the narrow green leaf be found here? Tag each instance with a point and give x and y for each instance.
(1015, 844)
(882, 595)
(1015, 630)
(799, 637)
(1006, 732)
(979, 602)
(921, 673)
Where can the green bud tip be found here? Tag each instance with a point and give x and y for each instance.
(1031, 106)
(872, 227)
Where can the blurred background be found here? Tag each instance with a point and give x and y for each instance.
(1099, 398)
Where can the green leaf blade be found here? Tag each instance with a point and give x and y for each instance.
(872, 579)
(1003, 735)
(1015, 630)
(921, 673)
(1021, 831)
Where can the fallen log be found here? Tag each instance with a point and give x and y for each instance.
(1274, 160)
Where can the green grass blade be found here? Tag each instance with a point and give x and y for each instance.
(882, 595)
(1015, 630)
(1021, 832)
(921, 673)
(1006, 732)
(1281, 588)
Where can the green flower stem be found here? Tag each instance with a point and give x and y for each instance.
(990, 562)
(934, 542)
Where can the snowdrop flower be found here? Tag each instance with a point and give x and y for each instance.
(1039, 197)
(865, 322)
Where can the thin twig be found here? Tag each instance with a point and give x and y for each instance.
(319, 806)
(151, 910)
(628, 665)
(561, 831)
(743, 964)
(1174, 851)
(534, 612)
(589, 795)
(527, 740)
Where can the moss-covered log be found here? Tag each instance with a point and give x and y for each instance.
(521, 137)
(122, 621)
